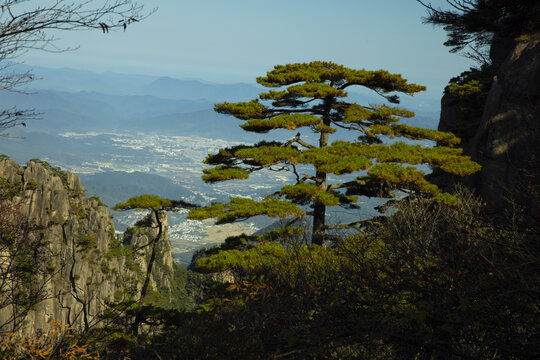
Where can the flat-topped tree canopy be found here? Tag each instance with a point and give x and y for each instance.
(313, 96)
(152, 202)
(338, 77)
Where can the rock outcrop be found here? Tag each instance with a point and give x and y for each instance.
(165, 272)
(505, 137)
(507, 141)
(78, 265)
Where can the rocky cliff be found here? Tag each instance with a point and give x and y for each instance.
(168, 279)
(503, 133)
(59, 256)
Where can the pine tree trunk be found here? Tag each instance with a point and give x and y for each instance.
(319, 209)
(318, 223)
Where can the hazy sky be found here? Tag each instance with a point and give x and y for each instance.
(237, 40)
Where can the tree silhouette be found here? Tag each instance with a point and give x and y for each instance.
(472, 24)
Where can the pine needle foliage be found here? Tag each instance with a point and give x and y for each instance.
(152, 202)
(311, 97)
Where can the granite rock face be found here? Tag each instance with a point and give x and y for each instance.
(138, 237)
(85, 266)
(505, 136)
(506, 142)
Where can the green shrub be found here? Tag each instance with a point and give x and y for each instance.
(96, 198)
(120, 250)
(30, 185)
(9, 190)
(86, 243)
(105, 268)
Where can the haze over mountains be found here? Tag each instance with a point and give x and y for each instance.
(110, 83)
(72, 100)
(75, 100)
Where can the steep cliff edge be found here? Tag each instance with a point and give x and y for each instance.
(504, 136)
(506, 142)
(168, 279)
(73, 265)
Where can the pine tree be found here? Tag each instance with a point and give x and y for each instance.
(311, 95)
(157, 205)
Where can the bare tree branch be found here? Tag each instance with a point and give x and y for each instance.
(25, 26)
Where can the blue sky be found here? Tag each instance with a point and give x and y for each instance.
(236, 41)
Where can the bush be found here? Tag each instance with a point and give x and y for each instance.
(55, 344)
(87, 243)
(431, 281)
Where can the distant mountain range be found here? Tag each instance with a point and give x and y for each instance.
(76, 100)
(169, 88)
(62, 111)
(110, 83)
